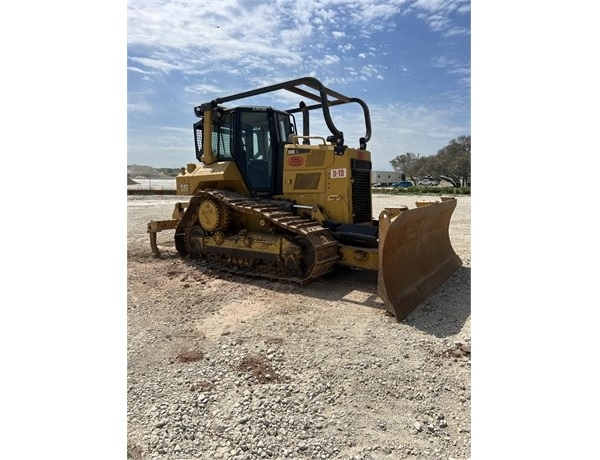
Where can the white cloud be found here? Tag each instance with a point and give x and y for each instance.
(294, 37)
(437, 22)
(145, 108)
(138, 70)
(167, 36)
(431, 5)
(329, 59)
(371, 71)
(457, 31)
(453, 67)
(156, 64)
(464, 8)
(438, 14)
(202, 89)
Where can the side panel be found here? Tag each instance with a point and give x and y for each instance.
(338, 184)
(199, 176)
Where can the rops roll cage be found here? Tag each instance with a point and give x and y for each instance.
(320, 94)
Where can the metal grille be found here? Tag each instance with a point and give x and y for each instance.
(221, 142)
(361, 191)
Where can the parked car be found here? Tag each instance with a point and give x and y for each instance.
(428, 182)
(404, 183)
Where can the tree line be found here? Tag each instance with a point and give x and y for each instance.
(451, 163)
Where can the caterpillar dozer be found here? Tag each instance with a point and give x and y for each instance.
(265, 200)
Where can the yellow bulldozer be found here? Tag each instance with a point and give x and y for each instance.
(265, 200)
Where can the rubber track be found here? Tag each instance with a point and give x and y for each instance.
(323, 243)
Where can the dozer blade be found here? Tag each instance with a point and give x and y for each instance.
(415, 254)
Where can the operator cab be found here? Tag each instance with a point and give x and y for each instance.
(252, 137)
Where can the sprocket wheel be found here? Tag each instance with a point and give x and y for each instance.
(212, 215)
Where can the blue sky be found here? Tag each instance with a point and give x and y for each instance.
(409, 60)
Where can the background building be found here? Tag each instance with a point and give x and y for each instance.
(387, 177)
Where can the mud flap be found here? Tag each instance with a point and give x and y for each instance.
(415, 254)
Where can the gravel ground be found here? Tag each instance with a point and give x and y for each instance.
(234, 368)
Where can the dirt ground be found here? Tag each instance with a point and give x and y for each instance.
(335, 375)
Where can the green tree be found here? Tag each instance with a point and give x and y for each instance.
(427, 166)
(407, 163)
(453, 160)
(456, 159)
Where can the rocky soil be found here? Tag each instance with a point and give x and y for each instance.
(235, 368)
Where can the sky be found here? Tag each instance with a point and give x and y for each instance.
(409, 60)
